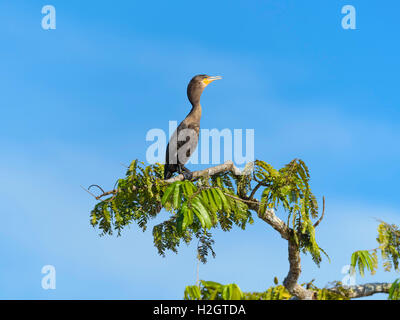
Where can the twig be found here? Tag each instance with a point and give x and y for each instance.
(254, 191)
(96, 185)
(114, 192)
(88, 192)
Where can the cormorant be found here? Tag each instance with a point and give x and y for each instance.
(184, 140)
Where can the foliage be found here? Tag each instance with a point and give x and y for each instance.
(394, 292)
(290, 188)
(223, 201)
(273, 293)
(363, 259)
(389, 245)
(210, 290)
(137, 199)
(218, 201)
(328, 294)
(336, 291)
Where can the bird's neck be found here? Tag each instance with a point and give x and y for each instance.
(195, 113)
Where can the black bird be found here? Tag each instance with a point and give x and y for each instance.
(184, 140)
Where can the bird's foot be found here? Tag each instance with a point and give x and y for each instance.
(187, 175)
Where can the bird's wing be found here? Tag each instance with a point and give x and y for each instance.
(183, 143)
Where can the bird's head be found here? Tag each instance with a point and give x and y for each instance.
(197, 85)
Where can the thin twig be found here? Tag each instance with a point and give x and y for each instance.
(114, 192)
(88, 192)
(240, 199)
(254, 191)
(96, 185)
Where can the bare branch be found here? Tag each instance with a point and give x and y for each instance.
(254, 191)
(291, 279)
(96, 185)
(364, 290)
(270, 217)
(114, 192)
(87, 190)
(227, 166)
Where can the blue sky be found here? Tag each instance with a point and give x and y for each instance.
(77, 102)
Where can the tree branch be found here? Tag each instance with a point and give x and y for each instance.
(270, 217)
(291, 279)
(227, 166)
(364, 290)
(254, 191)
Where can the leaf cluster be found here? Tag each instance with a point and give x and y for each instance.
(363, 259)
(289, 187)
(389, 245)
(217, 201)
(210, 290)
(394, 291)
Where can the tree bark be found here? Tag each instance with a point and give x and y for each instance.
(364, 290)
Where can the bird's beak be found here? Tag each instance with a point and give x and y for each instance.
(208, 80)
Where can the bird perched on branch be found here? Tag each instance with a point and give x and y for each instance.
(184, 140)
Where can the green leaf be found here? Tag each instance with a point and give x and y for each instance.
(363, 259)
(189, 188)
(179, 222)
(225, 203)
(187, 217)
(211, 284)
(192, 293)
(210, 198)
(231, 292)
(354, 258)
(167, 194)
(201, 213)
(217, 199)
(176, 196)
(394, 291)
